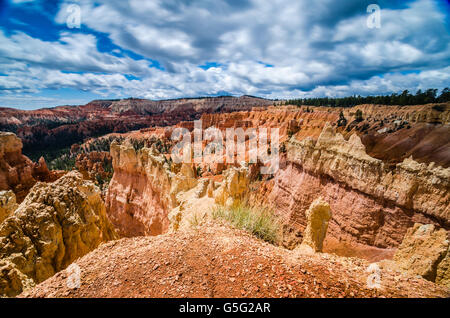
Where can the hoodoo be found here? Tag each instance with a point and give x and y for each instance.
(55, 224)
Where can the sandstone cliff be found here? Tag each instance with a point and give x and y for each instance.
(150, 195)
(420, 187)
(55, 224)
(389, 133)
(17, 172)
(371, 204)
(144, 189)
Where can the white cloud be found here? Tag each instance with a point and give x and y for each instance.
(276, 48)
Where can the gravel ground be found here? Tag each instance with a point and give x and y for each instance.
(218, 261)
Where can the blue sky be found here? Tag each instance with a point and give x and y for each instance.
(161, 49)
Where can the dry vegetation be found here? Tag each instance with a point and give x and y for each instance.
(259, 221)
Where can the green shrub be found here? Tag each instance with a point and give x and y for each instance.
(259, 221)
(65, 162)
(439, 108)
(359, 116)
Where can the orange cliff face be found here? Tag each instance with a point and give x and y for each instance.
(372, 205)
(389, 133)
(138, 195)
(374, 198)
(17, 172)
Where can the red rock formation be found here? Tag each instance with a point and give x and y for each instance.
(17, 172)
(389, 133)
(92, 165)
(373, 200)
(65, 125)
(370, 203)
(138, 195)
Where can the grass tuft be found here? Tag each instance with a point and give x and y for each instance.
(259, 221)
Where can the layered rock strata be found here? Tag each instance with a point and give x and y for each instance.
(371, 204)
(144, 189)
(55, 224)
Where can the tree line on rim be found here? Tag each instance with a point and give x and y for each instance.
(405, 98)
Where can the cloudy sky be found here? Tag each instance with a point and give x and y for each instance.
(161, 49)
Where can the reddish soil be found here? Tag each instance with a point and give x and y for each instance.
(217, 261)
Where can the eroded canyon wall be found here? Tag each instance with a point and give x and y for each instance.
(373, 201)
(371, 204)
(143, 189)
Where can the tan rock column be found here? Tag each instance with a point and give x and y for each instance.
(318, 215)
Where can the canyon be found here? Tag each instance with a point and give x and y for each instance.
(383, 182)
(17, 172)
(62, 126)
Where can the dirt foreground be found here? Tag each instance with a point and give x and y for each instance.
(214, 260)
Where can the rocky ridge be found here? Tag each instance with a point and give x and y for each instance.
(55, 224)
(425, 252)
(65, 125)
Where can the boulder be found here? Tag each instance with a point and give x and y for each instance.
(443, 271)
(423, 250)
(233, 187)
